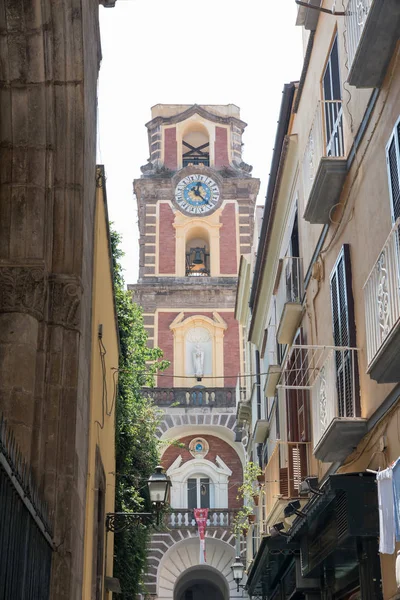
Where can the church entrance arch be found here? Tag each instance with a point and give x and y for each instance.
(201, 582)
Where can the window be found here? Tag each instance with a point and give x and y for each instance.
(393, 167)
(332, 102)
(198, 492)
(344, 335)
(297, 399)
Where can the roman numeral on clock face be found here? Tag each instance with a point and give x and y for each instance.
(197, 194)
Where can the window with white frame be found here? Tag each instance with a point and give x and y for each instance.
(344, 335)
(200, 492)
(393, 168)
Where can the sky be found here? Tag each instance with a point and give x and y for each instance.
(187, 52)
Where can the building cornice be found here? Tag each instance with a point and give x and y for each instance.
(192, 110)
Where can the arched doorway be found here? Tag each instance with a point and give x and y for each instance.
(201, 582)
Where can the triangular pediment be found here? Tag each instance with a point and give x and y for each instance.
(193, 110)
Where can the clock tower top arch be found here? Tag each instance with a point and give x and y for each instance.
(181, 135)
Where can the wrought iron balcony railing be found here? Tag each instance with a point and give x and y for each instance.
(331, 374)
(356, 16)
(324, 164)
(288, 298)
(371, 32)
(180, 518)
(382, 311)
(194, 396)
(271, 364)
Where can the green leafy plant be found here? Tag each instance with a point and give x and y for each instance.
(137, 446)
(241, 521)
(249, 493)
(249, 487)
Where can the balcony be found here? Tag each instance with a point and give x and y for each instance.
(285, 470)
(308, 17)
(372, 32)
(271, 365)
(331, 375)
(243, 405)
(194, 396)
(182, 518)
(382, 312)
(289, 298)
(324, 162)
(259, 422)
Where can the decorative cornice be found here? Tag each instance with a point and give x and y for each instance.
(195, 109)
(23, 289)
(65, 293)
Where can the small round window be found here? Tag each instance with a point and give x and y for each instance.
(198, 447)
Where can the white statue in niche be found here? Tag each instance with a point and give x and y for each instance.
(198, 361)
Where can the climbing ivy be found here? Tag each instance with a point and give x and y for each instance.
(137, 449)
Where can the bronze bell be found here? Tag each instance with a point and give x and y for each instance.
(198, 260)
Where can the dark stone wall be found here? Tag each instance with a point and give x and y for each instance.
(48, 80)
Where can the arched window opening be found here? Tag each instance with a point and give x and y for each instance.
(197, 254)
(196, 148)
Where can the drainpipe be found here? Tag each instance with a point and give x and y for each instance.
(258, 384)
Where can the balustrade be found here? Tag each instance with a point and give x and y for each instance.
(195, 396)
(382, 297)
(288, 298)
(182, 517)
(356, 16)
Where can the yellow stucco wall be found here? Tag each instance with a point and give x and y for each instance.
(102, 394)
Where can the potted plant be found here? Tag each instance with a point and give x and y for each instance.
(241, 521)
(248, 488)
(252, 518)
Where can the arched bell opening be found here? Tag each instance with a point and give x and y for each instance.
(201, 582)
(197, 253)
(195, 146)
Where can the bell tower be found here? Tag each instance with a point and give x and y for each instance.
(196, 202)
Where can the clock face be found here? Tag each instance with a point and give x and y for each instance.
(197, 194)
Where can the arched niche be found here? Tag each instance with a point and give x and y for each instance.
(197, 232)
(197, 248)
(184, 331)
(195, 145)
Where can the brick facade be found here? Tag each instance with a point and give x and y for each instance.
(221, 147)
(231, 350)
(166, 343)
(166, 240)
(217, 448)
(170, 148)
(228, 251)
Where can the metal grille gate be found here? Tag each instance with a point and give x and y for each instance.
(25, 544)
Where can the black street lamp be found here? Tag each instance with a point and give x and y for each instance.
(159, 485)
(238, 571)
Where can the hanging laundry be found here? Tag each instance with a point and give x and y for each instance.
(396, 496)
(386, 511)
